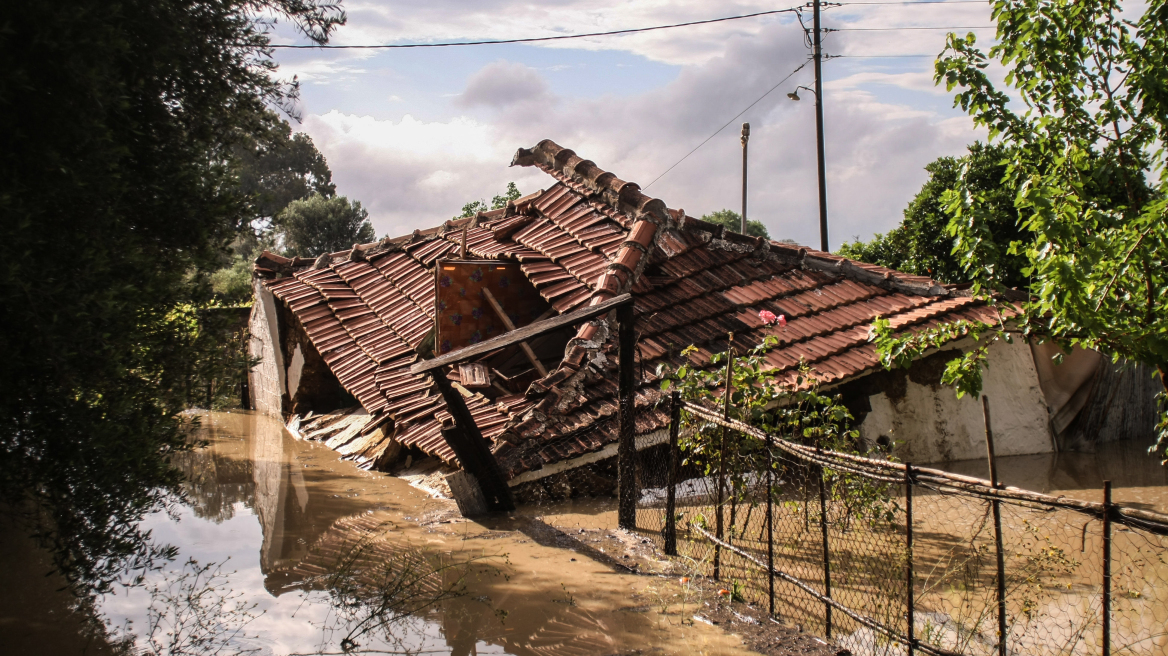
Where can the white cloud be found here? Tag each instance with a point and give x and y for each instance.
(324, 70)
(412, 173)
(920, 80)
(433, 21)
(451, 20)
(502, 84)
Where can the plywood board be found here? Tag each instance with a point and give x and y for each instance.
(463, 315)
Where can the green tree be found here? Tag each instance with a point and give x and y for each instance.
(273, 167)
(117, 201)
(276, 167)
(921, 244)
(1087, 160)
(231, 284)
(318, 225)
(498, 202)
(732, 221)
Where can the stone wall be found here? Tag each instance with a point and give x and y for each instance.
(266, 379)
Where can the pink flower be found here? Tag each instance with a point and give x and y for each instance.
(783, 320)
(767, 317)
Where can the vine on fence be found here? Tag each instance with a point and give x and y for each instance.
(771, 399)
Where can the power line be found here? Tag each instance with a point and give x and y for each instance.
(886, 29)
(715, 133)
(921, 2)
(532, 39)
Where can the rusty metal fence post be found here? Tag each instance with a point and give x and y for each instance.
(626, 449)
(770, 519)
(1106, 568)
(670, 531)
(826, 552)
(719, 529)
(908, 541)
(996, 507)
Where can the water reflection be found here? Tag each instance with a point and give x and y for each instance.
(333, 557)
(272, 528)
(219, 477)
(327, 552)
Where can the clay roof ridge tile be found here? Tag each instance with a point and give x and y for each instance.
(562, 163)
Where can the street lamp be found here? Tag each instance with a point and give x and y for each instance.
(794, 95)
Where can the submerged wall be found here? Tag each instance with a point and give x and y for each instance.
(926, 421)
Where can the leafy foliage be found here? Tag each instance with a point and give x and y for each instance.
(763, 396)
(498, 202)
(276, 167)
(921, 244)
(963, 373)
(756, 388)
(1087, 159)
(231, 284)
(273, 168)
(118, 199)
(732, 221)
(318, 225)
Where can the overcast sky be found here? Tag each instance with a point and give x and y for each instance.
(415, 134)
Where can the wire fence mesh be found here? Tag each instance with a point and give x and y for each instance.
(832, 541)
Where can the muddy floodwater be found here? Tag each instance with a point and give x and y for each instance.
(285, 549)
(282, 522)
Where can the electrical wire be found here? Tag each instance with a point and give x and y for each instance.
(887, 29)
(531, 39)
(920, 2)
(715, 133)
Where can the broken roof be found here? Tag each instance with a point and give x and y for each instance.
(589, 237)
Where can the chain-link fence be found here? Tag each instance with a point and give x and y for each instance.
(887, 558)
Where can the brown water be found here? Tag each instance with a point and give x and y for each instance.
(1138, 480)
(280, 516)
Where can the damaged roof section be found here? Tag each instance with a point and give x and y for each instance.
(696, 284)
(589, 237)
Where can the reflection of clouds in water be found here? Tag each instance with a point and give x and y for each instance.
(302, 498)
(295, 622)
(254, 508)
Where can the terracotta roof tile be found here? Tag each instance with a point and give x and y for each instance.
(577, 242)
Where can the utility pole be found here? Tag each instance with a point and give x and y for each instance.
(745, 138)
(818, 54)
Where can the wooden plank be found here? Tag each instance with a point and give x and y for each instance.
(510, 326)
(467, 494)
(471, 448)
(522, 334)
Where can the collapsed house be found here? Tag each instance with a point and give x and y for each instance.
(344, 329)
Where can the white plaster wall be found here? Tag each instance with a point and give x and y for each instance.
(266, 379)
(930, 424)
(294, 370)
